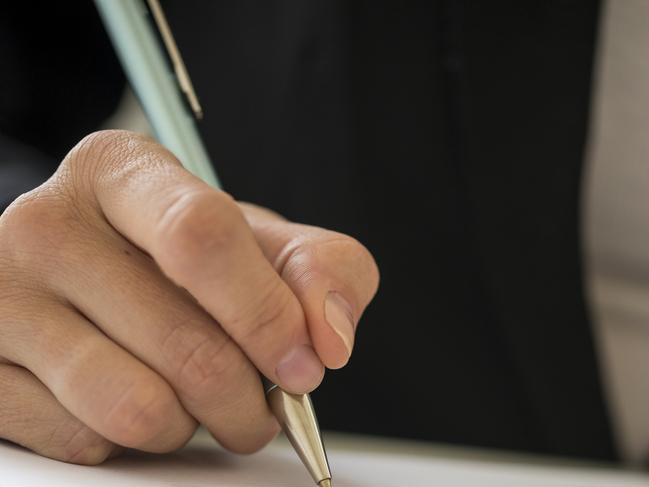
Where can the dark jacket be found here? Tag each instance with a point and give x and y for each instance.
(448, 136)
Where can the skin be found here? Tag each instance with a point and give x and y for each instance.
(136, 302)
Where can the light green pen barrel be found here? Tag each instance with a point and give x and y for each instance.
(155, 84)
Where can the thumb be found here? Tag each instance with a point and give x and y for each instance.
(333, 276)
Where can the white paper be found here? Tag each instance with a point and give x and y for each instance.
(202, 464)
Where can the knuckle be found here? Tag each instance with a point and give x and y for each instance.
(110, 156)
(42, 218)
(97, 147)
(197, 359)
(139, 415)
(35, 223)
(93, 454)
(82, 163)
(299, 263)
(194, 226)
(355, 264)
(76, 443)
(71, 441)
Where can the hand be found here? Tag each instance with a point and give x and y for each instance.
(136, 302)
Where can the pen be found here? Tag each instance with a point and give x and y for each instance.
(172, 107)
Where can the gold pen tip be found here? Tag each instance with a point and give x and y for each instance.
(325, 483)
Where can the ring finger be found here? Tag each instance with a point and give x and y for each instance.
(100, 383)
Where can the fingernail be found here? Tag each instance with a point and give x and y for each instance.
(300, 370)
(338, 314)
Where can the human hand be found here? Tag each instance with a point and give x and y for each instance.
(137, 302)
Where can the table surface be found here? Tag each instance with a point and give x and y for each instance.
(355, 462)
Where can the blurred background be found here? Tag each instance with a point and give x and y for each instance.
(616, 215)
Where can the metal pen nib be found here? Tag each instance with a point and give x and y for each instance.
(296, 416)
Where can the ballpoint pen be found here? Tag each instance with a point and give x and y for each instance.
(160, 80)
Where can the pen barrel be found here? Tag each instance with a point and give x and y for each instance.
(297, 417)
(130, 28)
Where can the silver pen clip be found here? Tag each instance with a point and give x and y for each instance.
(179, 68)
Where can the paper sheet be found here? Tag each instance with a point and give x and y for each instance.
(201, 464)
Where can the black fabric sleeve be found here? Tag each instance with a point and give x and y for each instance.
(59, 80)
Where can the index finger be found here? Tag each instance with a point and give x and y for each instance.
(200, 239)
